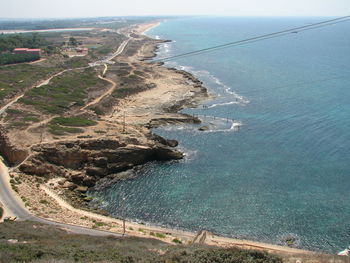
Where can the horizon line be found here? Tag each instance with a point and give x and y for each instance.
(160, 16)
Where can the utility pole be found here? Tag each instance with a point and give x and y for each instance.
(123, 216)
(124, 123)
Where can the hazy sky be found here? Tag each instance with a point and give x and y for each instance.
(86, 8)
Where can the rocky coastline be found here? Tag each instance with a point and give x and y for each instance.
(79, 163)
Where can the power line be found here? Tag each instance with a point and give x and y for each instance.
(259, 38)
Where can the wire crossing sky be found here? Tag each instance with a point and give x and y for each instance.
(93, 8)
(260, 38)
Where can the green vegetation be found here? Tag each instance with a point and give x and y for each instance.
(76, 62)
(73, 121)
(15, 78)
(31, 119)
(160, 235)
(63, 92)
(9, 58)
(103, 50)
(15, 118)
(43, 202)
(57, 125)
(9, 42)
(60, 130)
(73, 42)
(121, 93)
(176, 241)
(99, 224)
(99, 131)
(49, 244)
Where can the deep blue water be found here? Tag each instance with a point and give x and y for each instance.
(286, 169)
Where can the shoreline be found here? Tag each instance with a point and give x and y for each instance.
(115, 224)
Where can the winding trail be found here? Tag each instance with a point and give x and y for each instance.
(107, 93)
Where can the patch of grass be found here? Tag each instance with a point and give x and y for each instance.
(61, 130)
(99, 131)
(104, 50)
(32, 119)
(76, 62)
(13, 111)
(160, 235)
(127, 91)
(72, 121)
(49, 244)
(15, 78)
(141, 230)
(43, 201)
(99, 224)
(177, 241)
(63, 92)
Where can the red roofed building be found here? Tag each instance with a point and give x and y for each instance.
(27, 51)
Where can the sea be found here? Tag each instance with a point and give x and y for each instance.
(274, 163)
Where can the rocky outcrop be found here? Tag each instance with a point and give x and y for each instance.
(84, 162)
(155, 123)
(12, 153)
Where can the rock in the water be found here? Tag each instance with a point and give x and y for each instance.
(172, 143)
(203, 128)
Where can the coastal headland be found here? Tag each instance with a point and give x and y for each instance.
(89, 125)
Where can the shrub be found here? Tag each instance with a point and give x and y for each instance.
(160, 235)
(60, 130)
(177, 241)
(72, 121)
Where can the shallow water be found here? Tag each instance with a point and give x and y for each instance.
(285, 170)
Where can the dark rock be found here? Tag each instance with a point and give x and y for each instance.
(100, 162)
(89, 181)
(203, 128)
(96, 171)
(172, 143)
(81, 189)
(77, 177)
(166, 154)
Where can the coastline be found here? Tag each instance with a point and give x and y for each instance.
(115, 225)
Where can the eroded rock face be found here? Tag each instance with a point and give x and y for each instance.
(12, 153)
(84, 162)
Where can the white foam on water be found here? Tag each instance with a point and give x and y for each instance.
(222, 104)
(215, 125)
(207, 75)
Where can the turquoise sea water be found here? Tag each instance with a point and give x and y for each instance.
(285, 170)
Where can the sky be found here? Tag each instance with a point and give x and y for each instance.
(93, 8)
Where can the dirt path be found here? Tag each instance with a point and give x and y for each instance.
(37, 61)
(107, 93)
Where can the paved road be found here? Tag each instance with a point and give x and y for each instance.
(14, 207)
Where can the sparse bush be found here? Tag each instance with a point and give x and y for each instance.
(160, 235)
(177, 241)
(72, 121)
